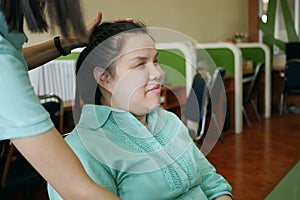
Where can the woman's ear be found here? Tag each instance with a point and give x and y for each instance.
(102, 77)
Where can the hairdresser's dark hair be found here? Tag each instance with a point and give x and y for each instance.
(65, 14)
(105, 46)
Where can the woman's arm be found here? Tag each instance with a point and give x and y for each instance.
(57, 163)
(39, 54)
(214, 185)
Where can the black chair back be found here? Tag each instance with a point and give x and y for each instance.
(55, 107)
(195, 102)
(292, 74)
(218, 101)
(292, 50)
(216, 108)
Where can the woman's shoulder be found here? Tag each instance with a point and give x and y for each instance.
(82, 136)
(72, 138)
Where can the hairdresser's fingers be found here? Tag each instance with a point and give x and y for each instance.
(124, 19)
(89, 29)
(129, 19)
(74, 40)
(94, 23)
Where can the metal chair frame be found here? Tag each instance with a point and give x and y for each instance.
(254, 88)
(46, 98)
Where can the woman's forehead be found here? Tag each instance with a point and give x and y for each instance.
(137, 42)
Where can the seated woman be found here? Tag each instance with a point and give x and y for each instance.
(125, 141)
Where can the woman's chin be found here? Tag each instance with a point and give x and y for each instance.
(154, 106)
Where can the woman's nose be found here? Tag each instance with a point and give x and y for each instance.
(156, 73)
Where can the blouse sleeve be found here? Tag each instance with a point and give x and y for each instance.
(21, 114)
(213, 184)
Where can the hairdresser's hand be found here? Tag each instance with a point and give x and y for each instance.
(92, 26)
(74, 40)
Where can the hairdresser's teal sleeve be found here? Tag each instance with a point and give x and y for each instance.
(21, 114)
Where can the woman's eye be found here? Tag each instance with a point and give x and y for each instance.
(141, 65)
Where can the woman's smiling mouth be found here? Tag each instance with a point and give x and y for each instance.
(155, 89)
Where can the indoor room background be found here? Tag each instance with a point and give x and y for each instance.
(202, 20)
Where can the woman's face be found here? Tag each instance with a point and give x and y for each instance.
(136, 85)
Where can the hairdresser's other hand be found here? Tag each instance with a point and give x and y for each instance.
(92, 25)
(74, 40)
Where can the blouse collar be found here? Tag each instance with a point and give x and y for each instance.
(156, 119)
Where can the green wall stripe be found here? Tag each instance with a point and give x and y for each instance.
(221, 57)
(72, 56)
(172, 61)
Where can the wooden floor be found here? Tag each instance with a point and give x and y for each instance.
(257, 159)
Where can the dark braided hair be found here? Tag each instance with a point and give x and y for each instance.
(105, 46)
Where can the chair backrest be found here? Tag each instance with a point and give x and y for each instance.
(55, 107)
(217, 88)
(218, 102)
(292, 74)
(292, 50)
(254, 86)
(196, 101)
(222, 72)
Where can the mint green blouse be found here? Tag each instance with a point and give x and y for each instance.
(21, 114)
(137, 162)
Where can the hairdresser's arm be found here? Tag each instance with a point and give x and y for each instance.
(56, 162)
(39, 54)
